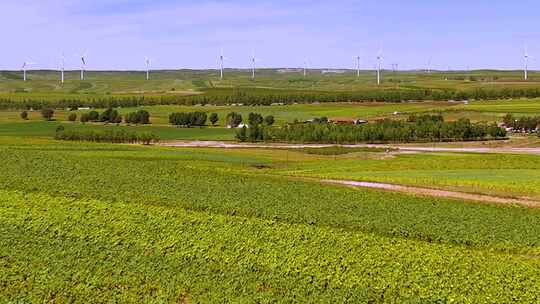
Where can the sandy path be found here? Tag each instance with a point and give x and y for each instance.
(223, 144)
(437, 193)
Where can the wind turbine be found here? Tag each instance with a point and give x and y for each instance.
(357, 66)
(63, 58)
(379, 62)
(24, 66)
(526, 57)
(221, 59)
(253, 61)
(148, 61)
(83, 64)
(305, 67)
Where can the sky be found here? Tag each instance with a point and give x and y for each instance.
(118, 34)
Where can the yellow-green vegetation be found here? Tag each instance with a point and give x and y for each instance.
(84, 222)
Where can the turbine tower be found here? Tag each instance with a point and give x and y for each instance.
(83, 65)
(221, 59)
(305, 68)
(526, 58)
(148, 61)
(24, 66)
(253, 60)
(379, 60)
(63, 68)
(24, 70)
(358, 66)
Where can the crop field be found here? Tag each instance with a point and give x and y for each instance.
(88, 222)
(238, 226)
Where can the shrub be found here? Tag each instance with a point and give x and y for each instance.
(24, 115)
(85, 117)
(72, 117)
(47, 113)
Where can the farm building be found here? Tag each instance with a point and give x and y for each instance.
(347, 121)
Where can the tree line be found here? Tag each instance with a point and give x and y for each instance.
(524, 123)
(107, 136)
(109, 115)
(250, 96)
(425, 128)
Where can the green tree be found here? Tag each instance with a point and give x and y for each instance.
(241, 134)
(269, 120)
(24, 115)
(234, 119)
(214, 118)
(255, 119)
(93, 116)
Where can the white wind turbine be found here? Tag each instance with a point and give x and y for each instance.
(357, 66)
(379, 64)
(526, 58)
(83, 64)
(63, 58)
(253, 61)
(221, 64)
(148, 62)
(25, 65)
(306, 62)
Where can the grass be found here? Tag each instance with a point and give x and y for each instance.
(84, 222)
(496, 174)
(48, 129)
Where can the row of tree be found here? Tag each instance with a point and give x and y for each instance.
(190, 119)
(110, 115)
(426, 128)
(524, 123)
(109, 136)
(248, 96)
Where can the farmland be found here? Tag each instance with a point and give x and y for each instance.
(210, 224)
(93, 222)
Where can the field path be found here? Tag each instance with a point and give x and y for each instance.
(435, 192)
(406, 148)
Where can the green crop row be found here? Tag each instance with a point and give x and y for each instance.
(228, 182)
(67, 250)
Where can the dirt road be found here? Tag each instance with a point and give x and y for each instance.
(223, 144)
(437, 193)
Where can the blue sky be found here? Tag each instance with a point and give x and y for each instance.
(117, 34)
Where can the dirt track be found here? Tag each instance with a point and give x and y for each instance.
(223, 144)
(437, 193)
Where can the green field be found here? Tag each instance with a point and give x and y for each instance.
(12, 124)
(85, 222)
(233, 225)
